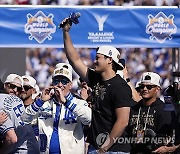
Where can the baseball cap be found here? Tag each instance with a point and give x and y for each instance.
(31, 81)
(14, 78)
(151, 77)
(110, 52)
(63, 69)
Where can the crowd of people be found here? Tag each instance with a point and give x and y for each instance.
(57, 121)
(41, 62)
(109, 114)
(94, 2)
(78, 101)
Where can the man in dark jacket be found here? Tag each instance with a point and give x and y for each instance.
(150, 125)
(172, 93)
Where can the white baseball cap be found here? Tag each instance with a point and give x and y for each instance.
(30, 81)
(151, 77)
(110, 52)
(63, 69)
(14, 78)
(59, 65)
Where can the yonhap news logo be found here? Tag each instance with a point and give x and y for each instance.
(161, 27)
(103, 138)
(40, 27)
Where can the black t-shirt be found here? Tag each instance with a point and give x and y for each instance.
(107, 96)
(177, 130)
(156, 122)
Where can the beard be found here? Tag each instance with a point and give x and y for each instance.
(24, 97)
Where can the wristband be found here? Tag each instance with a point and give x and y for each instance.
(128, 80)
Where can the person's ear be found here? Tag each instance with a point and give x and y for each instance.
(110, 60)
(158, 88)
(70, 85)
(33, 91)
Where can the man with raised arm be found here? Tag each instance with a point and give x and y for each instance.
(112, 97)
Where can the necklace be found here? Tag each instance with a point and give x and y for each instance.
(140, 132)
(138, 119)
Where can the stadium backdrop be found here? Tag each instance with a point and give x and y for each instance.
(124, 27)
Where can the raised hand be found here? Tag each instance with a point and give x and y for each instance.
(66, 24)
(47, 93)
(59, 94)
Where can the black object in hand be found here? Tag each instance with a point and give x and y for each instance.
(73, 18)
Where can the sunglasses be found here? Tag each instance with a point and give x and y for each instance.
(26, 88)
(149, 87)
(57, 81)
(12, 86)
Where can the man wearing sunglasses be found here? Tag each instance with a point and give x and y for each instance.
(13, 85)
(61, 115)
(28, 95)
(149, 123)
(29, 89)
(18, 137)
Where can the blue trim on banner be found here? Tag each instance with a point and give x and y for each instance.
(117, 26)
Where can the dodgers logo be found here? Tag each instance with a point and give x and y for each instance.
(110, 53)
(40, 27)
(161, 27)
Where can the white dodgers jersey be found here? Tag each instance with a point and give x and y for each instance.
(14, 107)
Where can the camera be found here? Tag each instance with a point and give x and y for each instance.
(174, 91)
(172, 98)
